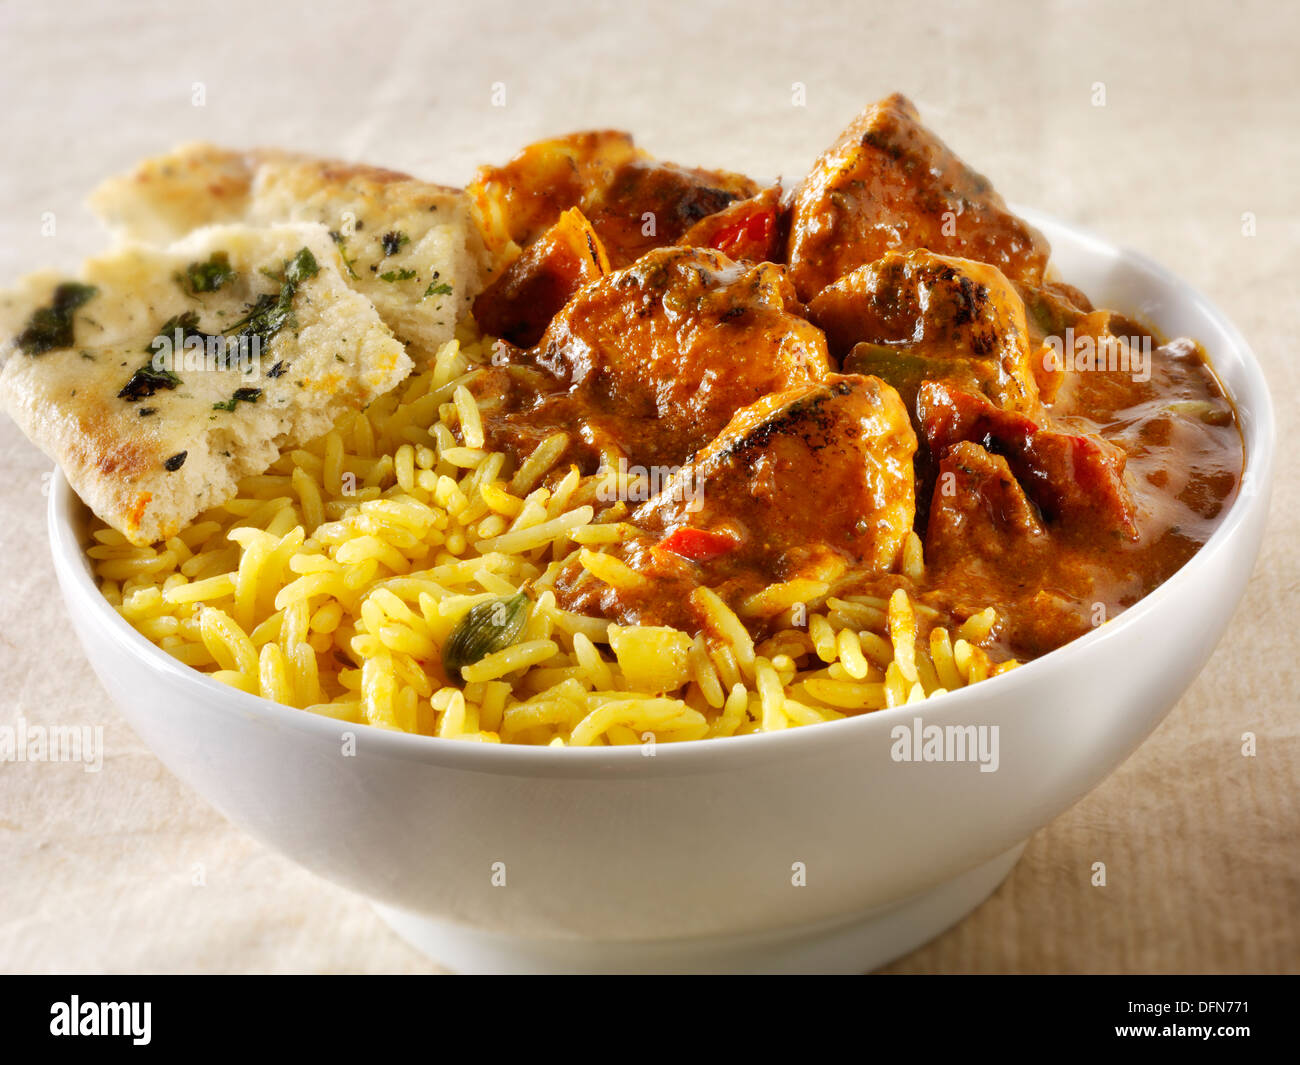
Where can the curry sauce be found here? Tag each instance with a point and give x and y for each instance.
(817, 383)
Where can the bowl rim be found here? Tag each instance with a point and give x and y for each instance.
(1252, 400)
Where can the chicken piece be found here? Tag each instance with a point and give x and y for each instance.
(889, 183)
(979, 515)
(921, 316)
(986, 542)
(520, 304)
(749, 230)
(649, 204)
(634, 202)
(804, 483)
(1050, 308)
(657, 357)
(518, 202)
(1065, 332)
(800, 483)
(1075, 480)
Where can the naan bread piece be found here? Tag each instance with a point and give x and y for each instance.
(409, 246)
(168, 196)
(274, 349)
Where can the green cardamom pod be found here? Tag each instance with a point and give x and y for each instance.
(487, 627)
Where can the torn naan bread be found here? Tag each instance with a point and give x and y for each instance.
(409, 246)
(162, 376)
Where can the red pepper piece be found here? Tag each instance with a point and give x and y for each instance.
(698, 545)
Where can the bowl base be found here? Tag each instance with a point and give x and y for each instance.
(857, 944)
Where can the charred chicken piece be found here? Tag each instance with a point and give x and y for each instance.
(520, 304)
(801, 481)
(660, 355)
(634, 202)
(889, 183)
(979, 515)
(917, 316)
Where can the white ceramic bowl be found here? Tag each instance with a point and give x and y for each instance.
(516, 858)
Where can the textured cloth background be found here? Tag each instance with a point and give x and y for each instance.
(126, 869)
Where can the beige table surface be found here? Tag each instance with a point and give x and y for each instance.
(1201, 124)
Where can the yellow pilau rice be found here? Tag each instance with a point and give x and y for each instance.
(331, 583)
